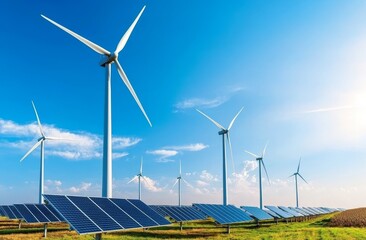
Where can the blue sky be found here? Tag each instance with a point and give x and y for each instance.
(297, 67)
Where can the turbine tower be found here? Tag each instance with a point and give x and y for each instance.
(139, 176)
(297, 173)
(108, 59)
(260, 164)
(41, 142)
(179, 178)
(223, 132)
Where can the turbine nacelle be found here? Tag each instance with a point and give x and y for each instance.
(107, 59)
(223, 131)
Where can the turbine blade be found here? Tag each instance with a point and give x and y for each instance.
(58, 139)
(231, 151)
(298, 167)
(126, 36)
(141, 162)
(176, 181)
(147, 182)
(254, 155)
(264, 150)
(291, 175)
(130, 88)
(187, 183)
(180, 167)
(133, 179)
(39, 122)
(232, 121)
(213, 121)
(303, 178)
(31, 150)
(88, 43)
(264, 166)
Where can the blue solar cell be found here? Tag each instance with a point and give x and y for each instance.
(40, 217)
(299, 210)
(27, 215)
(292, 212)
(116, 213)
(47, 213)
(52, 210)
(224, 214)
(182, 213)
(134, 212)
(9, 213)
(256, 213)
(99, 217)
(16, 212)
(77, 219)
(157, 209)
(279, 212)
(149, 212)
(2, 213)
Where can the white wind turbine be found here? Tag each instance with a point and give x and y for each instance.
(106, 62)
(224, 132)
(297, 173)
(41, 142)
(179, 178)
(139, 176)
(260, 164)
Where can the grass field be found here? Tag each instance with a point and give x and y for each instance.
(316, 228)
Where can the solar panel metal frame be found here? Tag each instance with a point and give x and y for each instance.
(181, 213)
(279, 212)
(292, 212)
(220, 213)
(61, 200)
(257, 213)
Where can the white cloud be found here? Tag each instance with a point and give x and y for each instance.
(149, 184)
(84, 187)
(190, 147)
(200, 103)
(329, 109)
(208, 177)
(201, 183)
(163, 154)
(74, 146)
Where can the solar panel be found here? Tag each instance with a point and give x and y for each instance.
(279, 212)
(2, 213)
(307, 211)
(16, 212)
(273, 214)
(292, 212)
(224, 214)
(256, 213)
(181, 213)
(96, 215)
(8, 212)
(299, 210)
(47, 212)
(311, 210)
(316, 210)
(157, 209)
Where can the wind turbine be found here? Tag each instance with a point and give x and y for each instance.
(260, 164)
(223, 132)
(297, 173)
(139, 176)
(41, 142)
(106, 62)
(179, 178)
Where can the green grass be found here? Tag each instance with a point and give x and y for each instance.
(316, 228)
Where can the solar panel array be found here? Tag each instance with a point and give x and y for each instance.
(256, 213)
(2, 213)
(37, 213)
(224, 214)
(279, 212)
(89, 215)
(180, 213)
(292, 212)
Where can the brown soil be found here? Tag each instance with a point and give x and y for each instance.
(350, 218)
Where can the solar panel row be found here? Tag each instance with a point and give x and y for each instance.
(97, 215)
(2, 214)
(222, 214)
(36, 213)
(180, 213)
(256, 213)
(292, 212)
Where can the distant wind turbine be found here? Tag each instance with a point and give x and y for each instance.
(297, 173)
(179, 178)
(223, 132)
(106, 62)
(260, 164)
(41, 142)
(139, 176)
